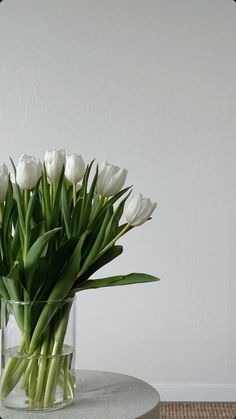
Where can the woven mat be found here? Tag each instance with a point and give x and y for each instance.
(198, 410)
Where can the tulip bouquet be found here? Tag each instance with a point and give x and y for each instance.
(59, 224)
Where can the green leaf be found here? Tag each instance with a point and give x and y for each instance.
(13, 282)
(7, 209)
(37, 216)
(39, 279)
(97, 221)
(36, 232)
(7, 226)
(76, 214)
(96, 199)
(134, 278)
(88, 208)
(84, 195)
(57, 202)
(14, 166)
(105, 258)
(113, 225)
(66, 210)
(3, 290)
(60, 291)
(34, 254)
(69, 273)
(117, 196)
(30, 209)
(46, 199)
(97, 243)
(56, 263)
(19, 200)
(14, 288)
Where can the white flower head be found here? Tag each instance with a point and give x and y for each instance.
(54, 161)
(75, 168)
(28, 171)
(111, 179)
(139, 210)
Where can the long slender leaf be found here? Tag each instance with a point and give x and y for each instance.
(88, 208)
(98, 242)
(107, 257)
(133, 278)
(14, 288)
(66, 210)
(112, 200)
(36, 232)
(76, 214)
(83, 193)
(34, 254)
(56, 264)
(19, 201)
(56, 207)
(7, 225)
(113, 225)
(60, 291)
(46, 199)
(30, 209)
(3, 290)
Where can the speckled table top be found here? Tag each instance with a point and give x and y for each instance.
(103, 395)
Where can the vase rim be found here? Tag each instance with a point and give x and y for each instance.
(62, 300)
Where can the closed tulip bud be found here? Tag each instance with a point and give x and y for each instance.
(111, 179)
(3, 182)
(28, 171)
(75, 168)
(139, 210)
(54, 161)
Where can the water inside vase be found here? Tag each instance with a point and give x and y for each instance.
(38, 382)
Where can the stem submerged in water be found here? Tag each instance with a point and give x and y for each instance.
(40, 373)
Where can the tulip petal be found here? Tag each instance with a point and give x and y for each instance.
(139, 210)
(111, 179)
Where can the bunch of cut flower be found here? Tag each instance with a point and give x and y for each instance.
(59, 224)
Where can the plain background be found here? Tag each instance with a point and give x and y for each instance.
(150, 86)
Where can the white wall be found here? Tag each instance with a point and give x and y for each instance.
(149, 85)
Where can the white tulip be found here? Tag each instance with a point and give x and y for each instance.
(75, 168)
(111, 179)
(28, 171)
(139, 210)
(54, 161)
(3, 182)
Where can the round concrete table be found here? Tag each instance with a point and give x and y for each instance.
(103, 395)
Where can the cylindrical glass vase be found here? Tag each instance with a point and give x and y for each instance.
(38, 354)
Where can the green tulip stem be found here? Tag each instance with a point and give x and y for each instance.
(1, 212)
(66, 371)
(110, 244)
(26, 194)
(54, 366)
(113, 241)
(42, 370)
(52, 192)
(74, 194)
(28, 370)
(10, 367)
(99, 206)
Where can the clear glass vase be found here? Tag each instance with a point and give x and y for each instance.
(38, 354)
